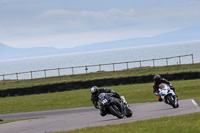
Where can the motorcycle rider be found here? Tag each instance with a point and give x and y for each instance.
(95, 91)
(157, 81)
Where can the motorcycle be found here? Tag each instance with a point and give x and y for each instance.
(112, 105)
(168, 95)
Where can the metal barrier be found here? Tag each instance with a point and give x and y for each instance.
(99, 67)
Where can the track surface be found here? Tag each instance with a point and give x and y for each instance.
(69, 119)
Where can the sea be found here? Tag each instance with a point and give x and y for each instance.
(86, 62)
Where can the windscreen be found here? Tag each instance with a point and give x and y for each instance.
(102, 96)
(162, 86)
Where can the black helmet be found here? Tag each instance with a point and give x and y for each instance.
(94, 89)
(157, 78)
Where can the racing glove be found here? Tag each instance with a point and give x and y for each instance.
(172, 87)
(156, 93)
(97, 107)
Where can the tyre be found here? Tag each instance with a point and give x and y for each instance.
(129, 112)
(171, 102)
(177, 105)
(116, 111)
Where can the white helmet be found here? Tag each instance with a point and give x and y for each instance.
(94, 89)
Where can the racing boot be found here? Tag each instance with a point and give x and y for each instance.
(160, 99)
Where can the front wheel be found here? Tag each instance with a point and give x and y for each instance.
(129, 112)
(171, 102)
(116, 111)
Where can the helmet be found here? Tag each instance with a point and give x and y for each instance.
(157, 78)
(94, 89)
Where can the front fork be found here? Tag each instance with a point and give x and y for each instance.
(174, 95)
(175, 98)
(123, 99)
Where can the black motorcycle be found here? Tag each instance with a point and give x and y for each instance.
(112, 105)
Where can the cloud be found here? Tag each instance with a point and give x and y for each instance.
(89, 19)
(86, 20)
(93, 14)
(52, 13)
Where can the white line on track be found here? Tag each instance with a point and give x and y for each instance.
(194, 102)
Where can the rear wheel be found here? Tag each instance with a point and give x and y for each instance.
(116, 111)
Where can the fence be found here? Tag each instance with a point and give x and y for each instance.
(96, 68)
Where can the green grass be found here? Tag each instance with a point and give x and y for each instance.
(188, 123)
(134, 93)
(197, 99)
(100, 75)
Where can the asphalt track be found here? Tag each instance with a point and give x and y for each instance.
(69, 119)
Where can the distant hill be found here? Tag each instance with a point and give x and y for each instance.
(182, 35)
(7, 52)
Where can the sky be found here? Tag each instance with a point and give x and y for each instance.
(71, 23)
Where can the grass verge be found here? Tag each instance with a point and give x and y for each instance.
(100, 75)
(188, 123)
(134, 93)
(197, 99)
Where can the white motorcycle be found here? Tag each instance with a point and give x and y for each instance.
(168, 95)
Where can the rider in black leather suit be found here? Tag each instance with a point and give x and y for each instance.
(95, 91)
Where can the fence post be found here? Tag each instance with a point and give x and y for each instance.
(72, 71)
(17, 76)
(167, 61)
(179, 60)
(192, 59)
(3, 77)
(99, 67)
(31, 74)
(140, 63)
(58, 71)
(45, 74)
(127, 65)
(113, 67)
(153, 63)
